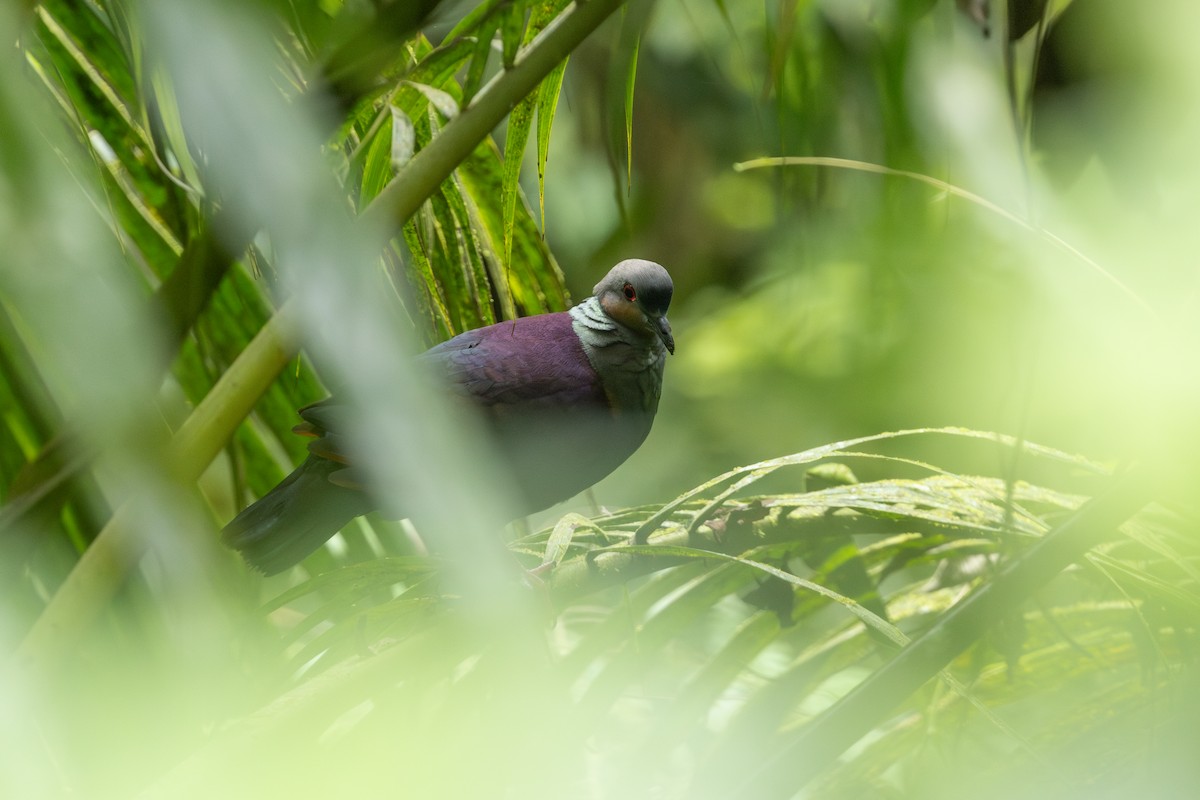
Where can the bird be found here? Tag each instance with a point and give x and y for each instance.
(568, 396)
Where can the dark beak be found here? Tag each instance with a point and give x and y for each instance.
(664, 333)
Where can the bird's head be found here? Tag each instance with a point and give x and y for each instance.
(636, 293)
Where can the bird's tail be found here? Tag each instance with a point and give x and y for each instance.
(295, 518)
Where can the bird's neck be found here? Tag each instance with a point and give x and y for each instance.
(630, 364)
(597, 330)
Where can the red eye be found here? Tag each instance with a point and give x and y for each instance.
(630, 294)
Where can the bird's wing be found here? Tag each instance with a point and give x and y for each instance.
(529, 365)
(533, 366)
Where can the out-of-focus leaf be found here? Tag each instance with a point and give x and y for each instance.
(618, 625)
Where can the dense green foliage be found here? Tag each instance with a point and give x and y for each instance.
(881, 215)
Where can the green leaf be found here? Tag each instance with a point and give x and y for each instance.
(630, 82)
(480, 55)
(471, 257)
(476, 19)
(834, 472)
(546, 106)
(443, 101)
(404, 138)
(520, 121)
(512, 29)
(559, 542)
